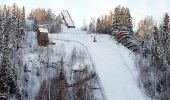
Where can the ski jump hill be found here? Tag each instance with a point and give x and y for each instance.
(66, 18)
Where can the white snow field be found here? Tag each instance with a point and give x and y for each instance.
(113, 63)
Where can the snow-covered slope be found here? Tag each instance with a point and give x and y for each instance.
(40, 75)
(113, 63)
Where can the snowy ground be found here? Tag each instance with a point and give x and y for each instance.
(113, 63)
(42, 64)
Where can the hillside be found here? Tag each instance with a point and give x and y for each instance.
(113, 63)
(73, 67)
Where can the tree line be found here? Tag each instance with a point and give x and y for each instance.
(153, 41)
(117, 20)
(12, 31)
(154, 60)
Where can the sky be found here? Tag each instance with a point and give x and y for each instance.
(82, 10)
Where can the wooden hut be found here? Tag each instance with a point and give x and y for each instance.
(42, 36)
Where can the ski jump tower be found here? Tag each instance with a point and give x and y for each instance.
(66, 18)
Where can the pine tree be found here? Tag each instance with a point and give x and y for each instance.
(18, 33)
(168, 43)
(14, 27)
(164, 31)
(14, 39)
(1, 30)
(165, 28)
(165, 23)
(22, 27)
(128, 20)
(164, 38)
(23, 17)
(154, 48)
(116, 20)
(122, 20)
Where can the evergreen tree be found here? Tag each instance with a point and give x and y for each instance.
(122, 20)
(116, 20)
(128, 20)
(22, 28)
(165, 23)
(168, 43)
(154, 48)
(18, 32)
(164, 39)
(1, 31)
(14, 26)
(23, 17)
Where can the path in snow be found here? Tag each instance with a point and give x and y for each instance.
(91, 62)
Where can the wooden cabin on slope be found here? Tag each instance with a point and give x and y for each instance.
(42, 36)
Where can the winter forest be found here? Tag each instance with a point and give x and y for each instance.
(42, 57)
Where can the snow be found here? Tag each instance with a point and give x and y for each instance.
(43, 30)
(113, 63)
(67, 17)
(29, 25)
(35, 58)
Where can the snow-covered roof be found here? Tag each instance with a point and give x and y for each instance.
(43, 30)
(43, 26)
(67, 18)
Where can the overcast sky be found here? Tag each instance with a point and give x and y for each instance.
(81, 10)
